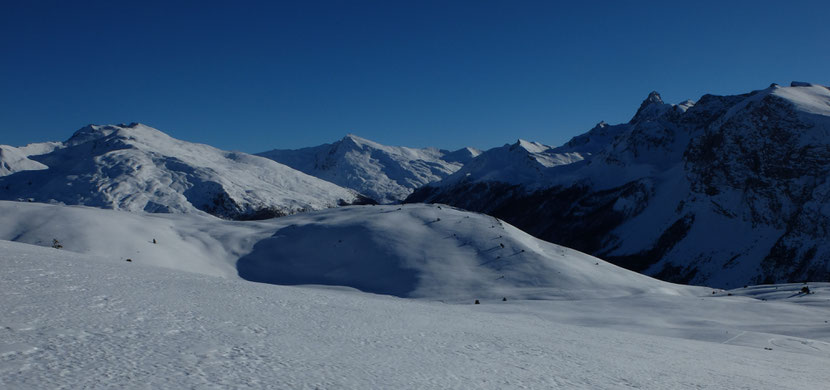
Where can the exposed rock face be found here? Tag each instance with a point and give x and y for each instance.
(725, 191)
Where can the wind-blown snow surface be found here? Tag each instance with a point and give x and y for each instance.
(387, 174)
(138, 168)
(79, 321)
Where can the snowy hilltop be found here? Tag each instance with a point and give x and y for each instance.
(727, 190)
(387, 174)
(419, 251)
(138, 168)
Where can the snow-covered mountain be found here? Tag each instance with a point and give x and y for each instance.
(726, 191)
(387, 174)
(138, 168)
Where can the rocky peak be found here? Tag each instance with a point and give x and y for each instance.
(651, 108)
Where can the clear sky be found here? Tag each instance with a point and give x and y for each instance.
(254, 76)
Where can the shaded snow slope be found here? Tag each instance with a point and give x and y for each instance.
(138, 168)
(78, 321)
(726, 191)
(433, 252)
(387, 174)
(411, 251)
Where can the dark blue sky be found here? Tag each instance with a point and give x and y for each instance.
(255, 76)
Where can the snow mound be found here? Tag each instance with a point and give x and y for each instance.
(433, 252)
(422, 251)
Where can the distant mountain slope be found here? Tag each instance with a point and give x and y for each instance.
(14, 159)
(726, 191)
(387, 174)
(135, 167)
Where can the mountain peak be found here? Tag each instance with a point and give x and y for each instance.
(354, 137)
(358, 141)
(532, 147)
(650, 108)
(653, 97)
(800, 84)
(93, 132)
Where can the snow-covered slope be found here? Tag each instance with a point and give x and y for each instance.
(728, 190)
(79, 321)
(423, 251)
(387, 174)
(14, 159)
(135, 167)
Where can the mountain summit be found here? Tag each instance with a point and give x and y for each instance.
(138, 168)
(387, 174)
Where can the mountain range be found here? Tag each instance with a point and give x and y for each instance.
(138, 168)
(724, 191)
(387, 174)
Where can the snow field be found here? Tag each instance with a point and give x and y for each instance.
(75, 320)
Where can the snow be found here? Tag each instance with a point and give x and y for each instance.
(81, 321)
(814, 99)
(135, 167)
(422, 251)
(387, 174)
(747, 173)
(523, 163)
(14, 160)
